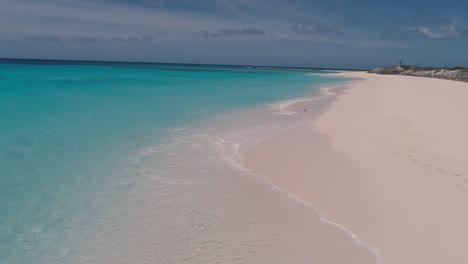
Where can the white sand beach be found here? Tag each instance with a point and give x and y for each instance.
(387, 160)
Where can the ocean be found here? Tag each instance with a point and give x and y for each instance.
(142, 163)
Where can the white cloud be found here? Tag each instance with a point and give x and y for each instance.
(443, 31)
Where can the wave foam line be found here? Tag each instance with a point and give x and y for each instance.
(238, 164)
(325, 92)
(323, 216)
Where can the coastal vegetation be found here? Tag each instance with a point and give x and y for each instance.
(458, 73)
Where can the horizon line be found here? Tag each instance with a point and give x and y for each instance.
(77, 61)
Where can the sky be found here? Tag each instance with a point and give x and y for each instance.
(304, 33)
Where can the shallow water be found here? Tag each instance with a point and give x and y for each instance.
(140, 163)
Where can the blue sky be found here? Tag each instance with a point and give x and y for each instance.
(332, 33)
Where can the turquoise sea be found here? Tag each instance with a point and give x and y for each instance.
(139, 163)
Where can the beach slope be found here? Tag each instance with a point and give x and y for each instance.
(388, 160)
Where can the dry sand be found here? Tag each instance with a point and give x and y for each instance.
(387, 160)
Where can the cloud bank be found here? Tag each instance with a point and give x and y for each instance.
(233, 32)
(88, 39)
(314, 27)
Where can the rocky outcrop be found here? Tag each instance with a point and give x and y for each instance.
(456, 73)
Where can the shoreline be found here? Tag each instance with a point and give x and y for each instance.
(315, 106)
(331, 163)
(194, 190)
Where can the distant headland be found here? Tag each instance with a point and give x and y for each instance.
(454, 73)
